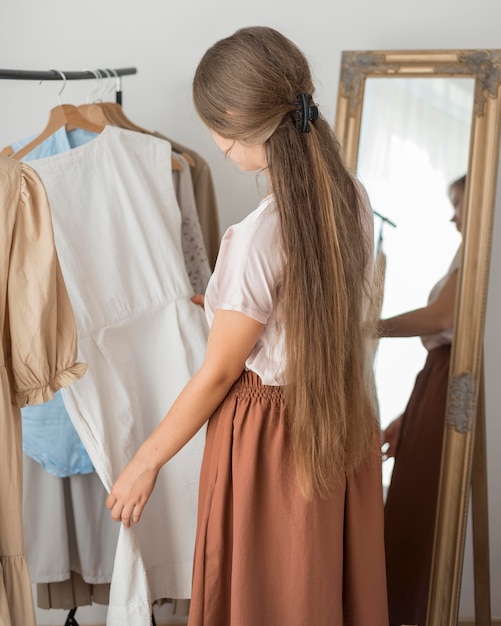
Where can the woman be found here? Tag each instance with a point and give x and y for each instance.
(415, 440)
(290, 507)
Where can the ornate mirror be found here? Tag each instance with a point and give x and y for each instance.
(410, 123)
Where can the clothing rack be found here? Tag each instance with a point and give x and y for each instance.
(71, 75)
(7, 74)
(384, 220)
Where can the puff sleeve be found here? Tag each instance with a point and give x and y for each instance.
(249, 267)
(40, 326)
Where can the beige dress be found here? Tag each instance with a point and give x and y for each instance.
(38, 357)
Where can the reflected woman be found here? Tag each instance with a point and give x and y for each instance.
(415, 440)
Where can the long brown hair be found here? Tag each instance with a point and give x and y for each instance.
(245, 88)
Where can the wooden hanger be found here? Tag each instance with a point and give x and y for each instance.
(112, 113)
(115, 112)
(71, 119)
(92, 117)
(63, 115)
(95, 113)
(187, 157)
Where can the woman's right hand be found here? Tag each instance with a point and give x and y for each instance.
(390, 437)
(131, 491)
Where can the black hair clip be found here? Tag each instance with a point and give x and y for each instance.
(306, 112)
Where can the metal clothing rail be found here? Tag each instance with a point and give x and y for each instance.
(384, 219)
(78, 75)
(58, 74)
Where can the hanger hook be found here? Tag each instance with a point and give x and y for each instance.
(118, 84)
(99, 86)
(107, 85)
(117, 80)
(96, 86)
(64, 84)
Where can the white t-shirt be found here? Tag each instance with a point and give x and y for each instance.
(248, 269)
(445, 337)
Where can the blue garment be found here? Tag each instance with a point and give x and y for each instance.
(49, 436)
(61, 141)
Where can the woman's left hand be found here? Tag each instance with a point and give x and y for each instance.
(390, 438)
(199, 299)
(131, 491)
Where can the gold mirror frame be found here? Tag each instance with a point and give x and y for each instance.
(484, 66)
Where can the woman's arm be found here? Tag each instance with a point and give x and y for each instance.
(429, 320)
(231, 339)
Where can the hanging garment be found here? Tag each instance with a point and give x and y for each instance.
(71, 531)
(192, 239)
(195, 197)
(118, 239)
(38, 357)
(70, 541)
(58, 142)
(205, 200)
(49, 436)
(69, 574)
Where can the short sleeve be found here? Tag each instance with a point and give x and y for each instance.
(248, 267)
(40, 323)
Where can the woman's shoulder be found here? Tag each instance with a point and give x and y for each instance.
(259, 224)
(254, 242)
(262, 214)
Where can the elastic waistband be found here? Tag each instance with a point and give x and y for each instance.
(250, 385)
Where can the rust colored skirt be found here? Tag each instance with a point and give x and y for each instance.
(265, 556)
(411, 502)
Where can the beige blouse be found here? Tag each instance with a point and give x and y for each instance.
(38, 357)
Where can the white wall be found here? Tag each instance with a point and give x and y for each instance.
(165, 40)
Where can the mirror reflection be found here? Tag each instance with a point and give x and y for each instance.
(414, 142)
(412, 159)
(413, 156)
